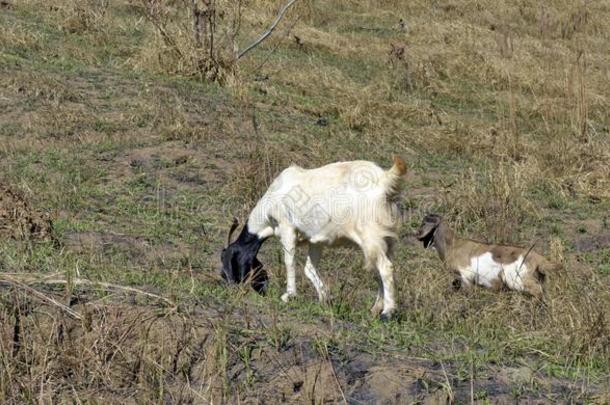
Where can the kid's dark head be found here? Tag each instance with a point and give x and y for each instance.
(426, 230)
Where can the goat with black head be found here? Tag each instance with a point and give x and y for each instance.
(343, 203)
(239, 261)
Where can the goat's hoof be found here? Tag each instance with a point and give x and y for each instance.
(325, 300)
(386, 316)
(376, 310)
(287, 296)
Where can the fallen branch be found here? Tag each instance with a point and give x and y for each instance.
(332, 368)
(265, 34)
(26, 280)
(22, 286)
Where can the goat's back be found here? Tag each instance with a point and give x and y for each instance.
(333, 200)
(501, 254)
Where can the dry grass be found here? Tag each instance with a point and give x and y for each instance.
(499, 108)
(496, 204)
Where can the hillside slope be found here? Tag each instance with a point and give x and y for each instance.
(110, 131)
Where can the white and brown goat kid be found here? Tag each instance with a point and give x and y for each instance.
(487, 265)
(327, 206)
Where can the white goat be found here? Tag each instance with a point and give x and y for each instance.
(337, 203)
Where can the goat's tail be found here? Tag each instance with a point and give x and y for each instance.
(393, 175)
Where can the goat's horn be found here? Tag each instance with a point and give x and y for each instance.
(234, 226)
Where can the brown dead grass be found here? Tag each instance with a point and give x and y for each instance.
(499, 108)
(19, 220)
(211, 353)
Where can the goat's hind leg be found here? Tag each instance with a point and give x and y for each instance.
(376, 256)
(386, 272)
(378, 305)
(533, 287)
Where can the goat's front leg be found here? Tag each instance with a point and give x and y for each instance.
(465, 283)
(313, 258)
(288, 239)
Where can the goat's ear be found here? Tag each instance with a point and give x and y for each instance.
(425, 233)
(259, 280)
(229, 267)
(427, 240)
(245, 263)
(234, 226)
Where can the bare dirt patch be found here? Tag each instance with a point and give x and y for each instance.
(136, 248)
(592, 243)
(174, 165)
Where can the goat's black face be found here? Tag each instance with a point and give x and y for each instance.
(425, 233)
(240, 264)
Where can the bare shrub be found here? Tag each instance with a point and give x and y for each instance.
(186, 41)
(200, 37)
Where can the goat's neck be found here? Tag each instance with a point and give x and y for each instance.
(249, 239)
(246, 237)
(258, 221)
(443, 240)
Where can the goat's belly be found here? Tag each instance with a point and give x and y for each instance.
(514, 274)
(483, 270)
(328, 236)
(487, 277)
(332, 242)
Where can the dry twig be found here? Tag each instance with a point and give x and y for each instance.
(6, 279)
(24, 281)
(265, 34)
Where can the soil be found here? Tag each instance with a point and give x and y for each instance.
(217, 354)
(592, 243)
(136, 248)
